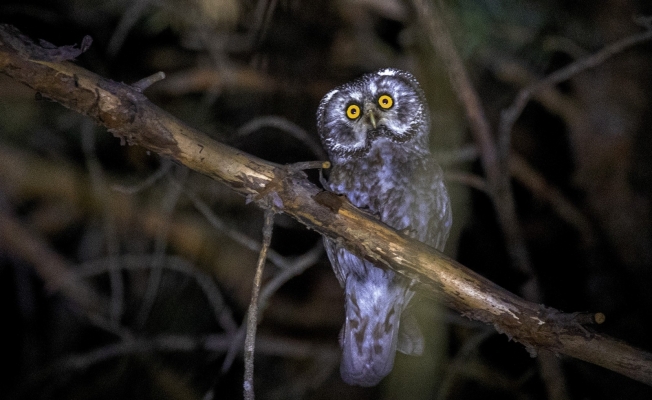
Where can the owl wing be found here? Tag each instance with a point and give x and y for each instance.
(432, 205)
(440, 222)
(332, 250)
(418, 205)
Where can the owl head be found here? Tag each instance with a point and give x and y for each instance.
(386, 104)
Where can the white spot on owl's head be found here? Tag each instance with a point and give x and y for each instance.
(387, 72)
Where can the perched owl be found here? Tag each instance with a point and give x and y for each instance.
(375, 130)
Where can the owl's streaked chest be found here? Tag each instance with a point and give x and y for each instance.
(386, 182)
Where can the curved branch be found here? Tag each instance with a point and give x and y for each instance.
(128, 114)
(513, 112)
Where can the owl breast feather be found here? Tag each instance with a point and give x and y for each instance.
(405, 190)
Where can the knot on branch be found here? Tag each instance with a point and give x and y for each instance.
(572, 323)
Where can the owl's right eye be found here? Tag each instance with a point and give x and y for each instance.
(353, 111)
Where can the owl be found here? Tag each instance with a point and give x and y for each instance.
(375, 130)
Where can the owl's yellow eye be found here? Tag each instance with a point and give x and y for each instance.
(353, 111)
(385, 101)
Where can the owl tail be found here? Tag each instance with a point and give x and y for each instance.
(370, 336)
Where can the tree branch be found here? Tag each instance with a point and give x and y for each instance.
(126, 113)
(252, 314)
(513, 112)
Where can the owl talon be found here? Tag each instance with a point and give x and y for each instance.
(304, 165)
(410, 232)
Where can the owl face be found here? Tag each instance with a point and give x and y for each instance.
(385, 104)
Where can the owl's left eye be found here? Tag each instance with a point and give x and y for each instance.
(353, 111)
(385, 101)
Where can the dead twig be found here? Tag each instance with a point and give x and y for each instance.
(252, 314)
(239, 237)
(163, 170)
(529, 177)
(223, 314)
(19, 241)
(513, 112)
(169, 202)
(289, 271)
(127, 21)
(218, 343)
(99, 187)
(286, 126)
(466, 178)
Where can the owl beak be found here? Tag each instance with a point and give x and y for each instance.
(372, 118)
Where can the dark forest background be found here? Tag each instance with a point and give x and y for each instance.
(175, 252)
